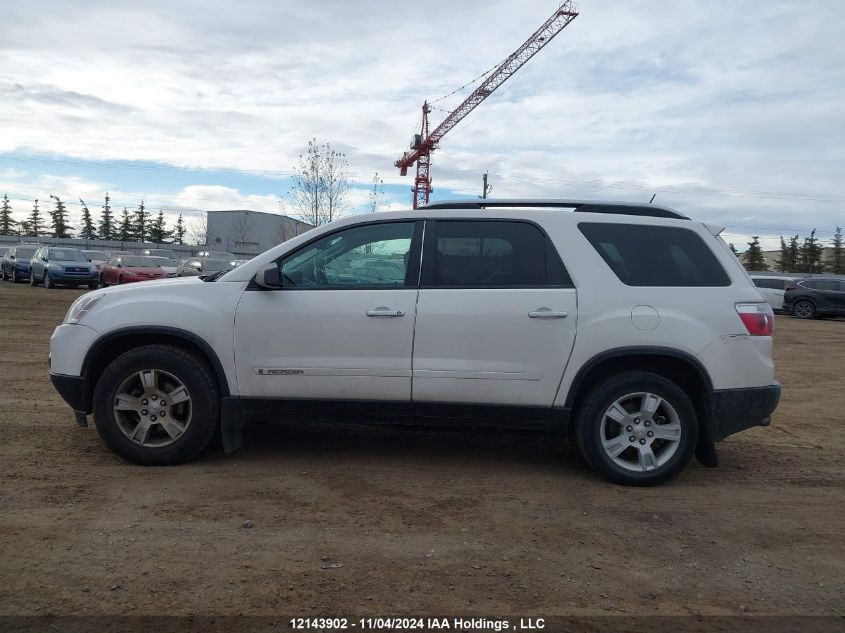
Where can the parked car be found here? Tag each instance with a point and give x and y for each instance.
(160, 252)
(188, 267)
(216, 255)
(815, 297)
(673, 349)
(773, 288)
(15, 264)
(62, 266)
(125, 269)
(4, 250)
(168, 265)
(98, 258)
(198, 266)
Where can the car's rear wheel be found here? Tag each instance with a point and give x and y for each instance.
(637, 428)
(804, 310)
(156, 405)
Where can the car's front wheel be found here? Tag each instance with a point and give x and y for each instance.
(32, 280)
(637, 428)
(157, 405)
(48, 281)
(804, 310)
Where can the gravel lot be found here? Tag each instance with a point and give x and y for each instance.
(358, 522)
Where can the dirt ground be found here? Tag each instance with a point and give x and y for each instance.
(360, 522)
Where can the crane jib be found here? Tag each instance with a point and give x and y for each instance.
(425, 142)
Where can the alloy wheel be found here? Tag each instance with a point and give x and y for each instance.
(640, 431)
(152, 408)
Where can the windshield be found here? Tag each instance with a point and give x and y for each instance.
(98, 255)
(66, 255)
(140, 261)
(25, 253)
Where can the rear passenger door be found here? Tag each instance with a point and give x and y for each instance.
(496, 318)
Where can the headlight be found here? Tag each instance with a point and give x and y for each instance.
(81, 307)
(55, 267)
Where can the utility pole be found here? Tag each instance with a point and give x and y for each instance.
(484, 189)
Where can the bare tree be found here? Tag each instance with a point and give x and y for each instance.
(320, 185)
(198, 228)
(242, 229)
(290, 228)
(376, 197)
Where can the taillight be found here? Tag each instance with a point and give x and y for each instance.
(791, 287)
(758, 318)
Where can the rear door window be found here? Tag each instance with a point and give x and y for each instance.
(642, 255)
(490, 254)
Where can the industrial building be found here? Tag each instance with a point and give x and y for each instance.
(247, 233)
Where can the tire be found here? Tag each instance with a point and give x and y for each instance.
(32, 280)
(14, 276)
(120, 280)
(628, 396)
(48, 282)
(93, 285)
(804, 310)
(157, 442)
(103, 281)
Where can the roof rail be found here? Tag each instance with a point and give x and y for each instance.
(582, 206)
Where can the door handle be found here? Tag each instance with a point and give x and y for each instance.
(547, 313)
(385, 312)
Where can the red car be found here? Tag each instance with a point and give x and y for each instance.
(124, 269)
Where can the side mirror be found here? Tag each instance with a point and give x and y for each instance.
(269, 277)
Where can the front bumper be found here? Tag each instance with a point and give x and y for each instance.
(73, 390)
(62, 277)
(734, 410)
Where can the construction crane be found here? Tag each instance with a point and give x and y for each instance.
(424, 143)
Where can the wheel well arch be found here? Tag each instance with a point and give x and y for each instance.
(677, 366)
(109, 347)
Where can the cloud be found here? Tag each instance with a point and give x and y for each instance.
(718, 107)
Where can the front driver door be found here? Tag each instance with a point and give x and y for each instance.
(342, 325)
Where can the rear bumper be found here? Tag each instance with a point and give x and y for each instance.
(734, 410)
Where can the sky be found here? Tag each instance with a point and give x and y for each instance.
(729, 111)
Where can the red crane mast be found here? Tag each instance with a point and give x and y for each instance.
(424, 143)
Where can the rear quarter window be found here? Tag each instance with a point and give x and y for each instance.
(642, 255)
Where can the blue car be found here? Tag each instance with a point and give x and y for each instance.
(15, 264)
(54, 266)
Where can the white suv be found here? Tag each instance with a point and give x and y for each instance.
(630, 329)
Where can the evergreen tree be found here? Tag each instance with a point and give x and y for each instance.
(158, 230)
(140, 226)
(33, 223)
(179, 231)
(23, 228)
(58, 216)
(784, 255)
(810, 255)
(107, 228)
(838, 264)
(87, 231)
(792, 255)
(124, 233)
(753, 258)
(7, 223)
